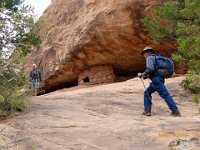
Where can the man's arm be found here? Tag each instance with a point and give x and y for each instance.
(30, 76)
(150, 62)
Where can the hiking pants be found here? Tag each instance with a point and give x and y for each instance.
(34, 86)
(157, 84)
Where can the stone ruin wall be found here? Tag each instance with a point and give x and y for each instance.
(97, 75)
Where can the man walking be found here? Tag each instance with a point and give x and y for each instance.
(157, 84)
(35, 79)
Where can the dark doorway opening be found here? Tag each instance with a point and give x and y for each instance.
(124, 75)
(86, 79)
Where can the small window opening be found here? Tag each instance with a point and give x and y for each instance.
(86, 79)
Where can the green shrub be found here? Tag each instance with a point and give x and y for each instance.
(11, 105)
(192, 83)
(195, 99)
(1, 99)
(2, 114)
(18, 105)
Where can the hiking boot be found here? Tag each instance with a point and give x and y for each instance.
(146, 113)
(176, 114)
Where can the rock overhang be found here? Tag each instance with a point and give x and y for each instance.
(89, 33)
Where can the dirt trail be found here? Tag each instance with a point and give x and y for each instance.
(105, 117)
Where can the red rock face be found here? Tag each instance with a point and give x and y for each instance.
(88, 33)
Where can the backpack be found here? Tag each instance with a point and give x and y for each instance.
(164, 66)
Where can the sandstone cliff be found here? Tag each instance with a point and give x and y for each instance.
(85, 34)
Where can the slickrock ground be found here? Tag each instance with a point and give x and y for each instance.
(105, 117)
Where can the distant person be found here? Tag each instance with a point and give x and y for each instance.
(35, 79)
(157, 84)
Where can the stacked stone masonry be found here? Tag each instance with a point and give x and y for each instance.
(97, 75)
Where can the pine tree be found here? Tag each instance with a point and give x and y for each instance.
(179, 20)
(17, 34)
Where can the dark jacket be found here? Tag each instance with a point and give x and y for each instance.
(35, 75)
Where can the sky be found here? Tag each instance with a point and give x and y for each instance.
(39, 5)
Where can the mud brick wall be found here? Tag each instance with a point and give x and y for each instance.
(97, 75)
